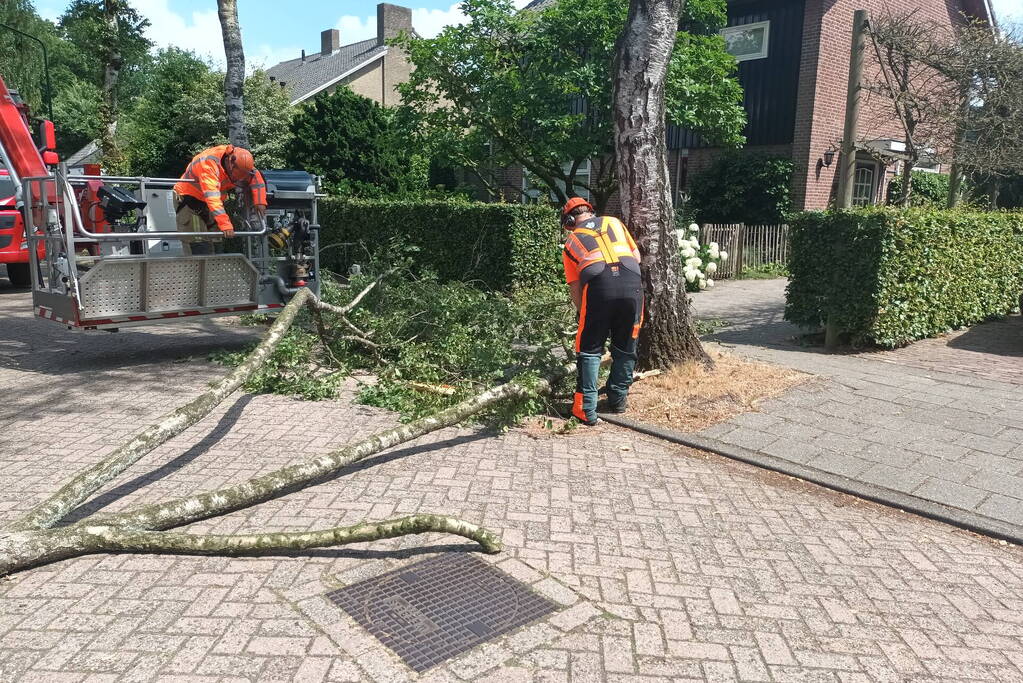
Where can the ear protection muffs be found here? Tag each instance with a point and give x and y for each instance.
(568, 221)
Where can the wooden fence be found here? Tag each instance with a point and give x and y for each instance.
(748, 246)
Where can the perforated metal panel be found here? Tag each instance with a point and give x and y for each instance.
(230, 280)
(111, 288)
(173, 284)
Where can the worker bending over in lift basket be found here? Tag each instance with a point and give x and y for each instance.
(199, 197)
(602, 270)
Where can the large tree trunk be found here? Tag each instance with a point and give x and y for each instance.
(641, 64)
(112, 63)
(234, 81)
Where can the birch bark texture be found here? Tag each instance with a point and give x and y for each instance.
(234, 80)
(36, 539)
(642, 54)
(112, 63)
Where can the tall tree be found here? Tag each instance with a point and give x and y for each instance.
(112, 61)
(533, 88)
(181, 111)
(642, 59)
(234, 83)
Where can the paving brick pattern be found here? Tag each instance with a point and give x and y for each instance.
(940, 419)
(669, 564)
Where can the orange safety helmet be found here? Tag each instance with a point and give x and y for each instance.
(242, 163)
(573, 204)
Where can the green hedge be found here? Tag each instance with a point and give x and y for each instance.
(500, 246)
(888, 277)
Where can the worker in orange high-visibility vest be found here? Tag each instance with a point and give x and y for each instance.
(602, 270)
(199, 197)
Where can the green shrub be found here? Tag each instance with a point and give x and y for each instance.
(928, 189)
(743, 188)
(500, 246)
(888, 276)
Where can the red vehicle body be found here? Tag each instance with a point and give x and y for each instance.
(13, 251)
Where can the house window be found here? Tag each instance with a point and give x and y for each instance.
(748, 41)
(863, 183)
(533, 188)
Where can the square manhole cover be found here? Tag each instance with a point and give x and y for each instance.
(440, 607)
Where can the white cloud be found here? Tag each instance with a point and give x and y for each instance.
(199, 32)
(427, 22)
(265, 56)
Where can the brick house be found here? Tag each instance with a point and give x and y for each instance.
(793, 66)
(369, 67)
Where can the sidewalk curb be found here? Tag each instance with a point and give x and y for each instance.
(964, 519)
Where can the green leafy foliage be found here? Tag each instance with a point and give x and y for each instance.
(534, 88)
(743, 188)
(888, 277)
(927, 189)
(353, 144)
(75, 50)
(181, 111)
(764, 271)
(293, 369)
(435, 344)
(499, 246)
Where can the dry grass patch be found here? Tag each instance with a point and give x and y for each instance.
(692, 397)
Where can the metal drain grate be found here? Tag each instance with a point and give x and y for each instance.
(440, 607)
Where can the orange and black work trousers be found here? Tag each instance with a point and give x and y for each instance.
(612, 306)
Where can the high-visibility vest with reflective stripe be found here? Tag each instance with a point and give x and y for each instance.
(596, 243)
(211, 181)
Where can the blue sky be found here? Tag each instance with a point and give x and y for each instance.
(274, 31)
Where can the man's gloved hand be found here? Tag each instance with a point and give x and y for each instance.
(261, 211)
(228, 234)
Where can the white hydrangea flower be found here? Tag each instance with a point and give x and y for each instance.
(711, 267)
(690, 275)
(688, 252)
(724, 256)
(703, 284)
(715, 246)
(694, 243)
(694, 262)
(710, 283)
(693, 227)
(714, 253)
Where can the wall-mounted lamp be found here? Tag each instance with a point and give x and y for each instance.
(829, 156)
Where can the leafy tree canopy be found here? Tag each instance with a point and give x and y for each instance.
(181, 111)
(353, 144)
(534, 88)
(742, 188)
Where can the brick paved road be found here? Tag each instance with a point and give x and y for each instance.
(940, 419)
(672, 565)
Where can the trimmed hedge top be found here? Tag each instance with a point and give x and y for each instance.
(888, 276)
(499, 245)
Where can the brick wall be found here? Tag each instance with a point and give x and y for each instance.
(367, 82)
(823, 79)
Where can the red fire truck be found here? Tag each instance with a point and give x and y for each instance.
(13, 246)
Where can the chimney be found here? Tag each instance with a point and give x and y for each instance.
(392, 20)
(330, 41)
(303, 55)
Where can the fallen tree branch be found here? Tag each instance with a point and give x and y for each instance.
(350, 306)
(182, 511)
(87, 482)
(24, 549)
(28, 548)
(77, 491)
